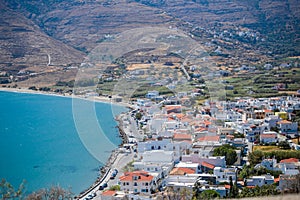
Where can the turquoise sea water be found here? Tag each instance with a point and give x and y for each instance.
(39, 142)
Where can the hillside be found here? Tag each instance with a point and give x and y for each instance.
(234, 32)
(25, 49)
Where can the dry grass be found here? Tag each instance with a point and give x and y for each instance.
(266, 148)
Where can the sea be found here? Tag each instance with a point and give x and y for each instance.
(43, 142)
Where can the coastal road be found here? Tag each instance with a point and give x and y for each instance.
(121, 161)
(131, 129)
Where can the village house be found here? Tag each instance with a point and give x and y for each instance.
(152, 94)
(268, 163)
(137, 182)
(287, 127)
(222, 190)
(113, 195)
(271, 121)
(158, 156)
(157, 170)
(209, 162)
(189, 165)
(268, 137)
(260, 180)
(180, 181)
(225, 174)
(289, 166)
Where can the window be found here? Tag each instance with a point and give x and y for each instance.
(135, 190)
(127, 183)
(135, 184)
(146, 184)
(124, 183)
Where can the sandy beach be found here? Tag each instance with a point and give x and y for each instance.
(100, 99)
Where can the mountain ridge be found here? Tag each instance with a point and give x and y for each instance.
(233, 32)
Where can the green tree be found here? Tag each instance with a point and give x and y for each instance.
(227, 151)
(138, 116)
(209, 194)
(284, 145)
(233, 192)
(115, 187)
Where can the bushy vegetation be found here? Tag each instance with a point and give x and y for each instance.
(227, 151)
(256, 156)
(265, 190)
(249, 170)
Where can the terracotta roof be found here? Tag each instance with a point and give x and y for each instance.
(276, 180)
(229, 136)
(180, 136)
(200, 129)
(186, 119)
(143, 176)
(250, 186)
(289, 160)
(271, 135)
(182, 171)
(227, 186)
(207, 122)
(268, 111)
(209, 138)
(208, 165)
(109, 193)
(284, 122)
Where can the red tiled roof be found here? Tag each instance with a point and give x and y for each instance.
(143, 176)
(109, 193)
(276, 180)
(289, 160)
(271, 135)
(284, 122)
(208, 165)
(180, 136)
(227, 186)
(268, 111)
(250, 186)
(209, 138)
(200, 129)
(182, 171)
(229, 136)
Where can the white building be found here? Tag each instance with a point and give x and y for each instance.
(137, 182)
(287, 127)
(190, 165)
(269, 164)
(271, 121)
(260, 180)
(268, 137)
(158, 156)
(224, 174)
(216, 161)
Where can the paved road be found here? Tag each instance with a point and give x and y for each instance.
(121, 161)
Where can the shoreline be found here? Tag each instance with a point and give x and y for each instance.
(97, 99)
(104, 170)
